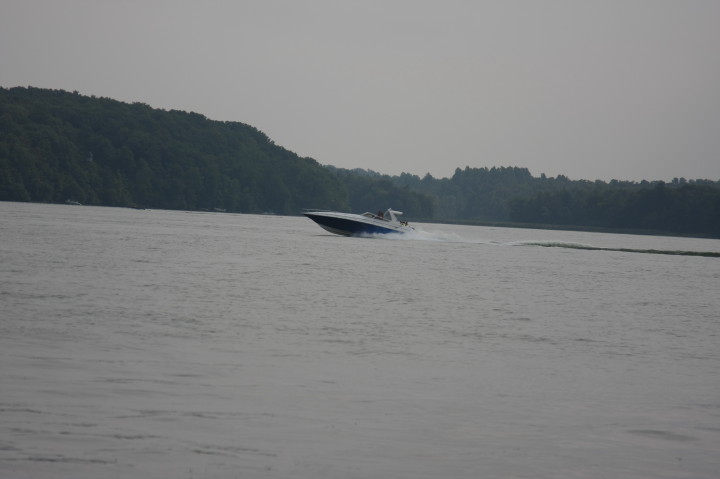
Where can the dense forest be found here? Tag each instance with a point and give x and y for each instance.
(57, 146)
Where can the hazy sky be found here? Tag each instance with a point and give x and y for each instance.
(592, 89)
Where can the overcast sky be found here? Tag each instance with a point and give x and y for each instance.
(592, 89)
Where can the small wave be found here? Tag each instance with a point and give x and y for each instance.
(668, 435)
(561, 244)
(69, 460)
(552, 244)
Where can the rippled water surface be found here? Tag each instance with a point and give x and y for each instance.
(162, 344)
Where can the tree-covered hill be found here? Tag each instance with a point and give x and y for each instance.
(56, 145)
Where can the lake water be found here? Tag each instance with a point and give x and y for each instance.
(158, 344)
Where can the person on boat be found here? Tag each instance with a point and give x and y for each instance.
(380, 215)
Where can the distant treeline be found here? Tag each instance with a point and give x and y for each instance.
(57, 146)
(514, 195)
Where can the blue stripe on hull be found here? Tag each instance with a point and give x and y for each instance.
(347, 227)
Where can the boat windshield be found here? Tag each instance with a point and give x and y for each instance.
(388, 215)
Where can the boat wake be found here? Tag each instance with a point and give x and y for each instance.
(441, 236)
(422, 235)
(562, 244)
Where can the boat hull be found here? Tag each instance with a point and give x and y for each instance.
(347, 224)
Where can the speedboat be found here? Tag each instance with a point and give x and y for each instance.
(350, 224)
